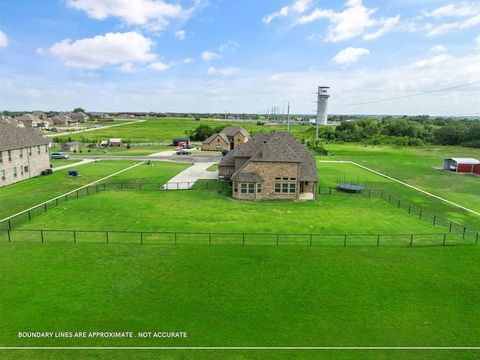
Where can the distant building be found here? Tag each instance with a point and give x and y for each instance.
(270, 166)
(462, 165)
(71, 146)
(23, 153)
(40, 114)
(115, 142)
(227, 139)
(28, 120)
(79, 117)
(183, 142)
(60, 120)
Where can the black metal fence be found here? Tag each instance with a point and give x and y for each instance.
(399, 203)
(241, 239)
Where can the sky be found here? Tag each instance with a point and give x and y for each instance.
(240, 55)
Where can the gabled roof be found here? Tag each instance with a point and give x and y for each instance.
(12, 137)
(466, 161)
(214, 136)
(229, 159)
(234, 130)
(274, 147)
(247, 177)
(27, 117)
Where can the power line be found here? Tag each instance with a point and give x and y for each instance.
(413, 95)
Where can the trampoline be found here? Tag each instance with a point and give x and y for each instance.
(350, 188)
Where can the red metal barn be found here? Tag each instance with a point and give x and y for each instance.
(182, 142)
(462, 165)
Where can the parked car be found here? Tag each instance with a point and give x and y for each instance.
(59, 155)
(183, 152)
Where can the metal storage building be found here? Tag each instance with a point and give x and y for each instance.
(462, 165)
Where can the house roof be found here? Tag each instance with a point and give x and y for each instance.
(275, 147)
(12, 137)
(247, 177)
(229, 159)
(467, 161)
(27, 117)
(114, 140)
(214, 136)
(233, 130)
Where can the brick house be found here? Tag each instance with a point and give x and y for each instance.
(227, 139)
(23, 154)
(271, 166)
(71, 146)
(216, 142)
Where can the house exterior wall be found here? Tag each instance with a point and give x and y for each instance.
(225, 172)
(239, 139)
(269, 171)
(71, 147)
(216, 144)
(20, 158)
(476, 169)
(465, 168)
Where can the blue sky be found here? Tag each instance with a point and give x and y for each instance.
(243, 56)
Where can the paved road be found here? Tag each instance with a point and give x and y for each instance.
(188, 177)
(173, 158)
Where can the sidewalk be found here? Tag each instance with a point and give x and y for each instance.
(83, 162)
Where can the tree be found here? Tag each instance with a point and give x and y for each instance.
(79, 109)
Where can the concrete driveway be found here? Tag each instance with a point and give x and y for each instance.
(188, 177)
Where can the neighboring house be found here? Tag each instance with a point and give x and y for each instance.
(115, 142)
(216, 142)
(104, 143)
(40, 115)
(462, 165)
(71, 146)
(78, 117)
(9, 120)
(126, 116)
(59, 120)
(227, 139)
(28, 120)
(23, 153)
(271, 166)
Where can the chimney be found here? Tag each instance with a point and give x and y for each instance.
(264, 149)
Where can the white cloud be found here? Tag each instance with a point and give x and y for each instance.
(108, 49)
(181, 34)
(298, 7)
(158, 66)
(154, 14)
(444, 28)
(477, 41)
(208, 55)
(127, 68)
(461, 9)
(3, 39)
(438, 49)
(387, 24)
(435, 62)
(350, 55)
(353, 21)
(188, 60)
(212, 70)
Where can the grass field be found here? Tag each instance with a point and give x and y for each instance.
(165, 129)
(416, 167)
(61, 162)
(242, 296)
(133, 151)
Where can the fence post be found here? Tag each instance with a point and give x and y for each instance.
(10, 239)
(207, 184)
(97, 188)
(56, 202)
(409, 209)
(141, 238)
(29, 216)
(88, 192)
(175, 238)
(330, 192)
(369, 192)
(106, 236)
(382, 193)
(77, 194)
(310, 240)
(243, 239)
(74, 237)
(444, 239)
(278, 236)
(411, 240)
(450, 227)
(9, 225)
(399, 202)
(378, 240)
(121, 186)
(45, 207)
(421, 213)
(41, 235)
(476, 239)
(345, 240)
(464, 230)
(434, 220)
(104, 186)
(66, 197)
(209, 239)
(389, 198)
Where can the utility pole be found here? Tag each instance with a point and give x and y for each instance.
(288, 117)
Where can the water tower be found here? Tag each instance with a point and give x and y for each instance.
(322, 107)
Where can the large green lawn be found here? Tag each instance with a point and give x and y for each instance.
(242, 296)
(416, 167)
(165, 129)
